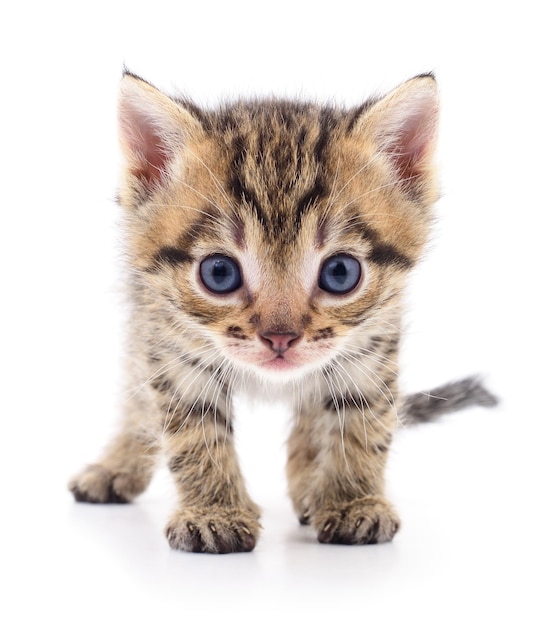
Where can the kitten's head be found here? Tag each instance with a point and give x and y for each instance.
(276, 233)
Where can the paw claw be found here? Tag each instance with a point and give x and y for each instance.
(221, 533)
(327, 532)
(365, 521)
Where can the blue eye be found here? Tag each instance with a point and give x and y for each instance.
(220, 274)
(339, 274)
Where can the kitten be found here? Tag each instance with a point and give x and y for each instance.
(268, 244)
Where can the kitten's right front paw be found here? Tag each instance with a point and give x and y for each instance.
(97, 485)
(365, 520)
(217, 531)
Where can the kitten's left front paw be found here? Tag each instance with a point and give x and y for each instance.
(366, 520)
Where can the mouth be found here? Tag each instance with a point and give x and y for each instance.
(287, 366)
(279, 364)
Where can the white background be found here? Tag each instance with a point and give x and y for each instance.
(474, 492)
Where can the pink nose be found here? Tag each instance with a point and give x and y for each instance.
(279, 342)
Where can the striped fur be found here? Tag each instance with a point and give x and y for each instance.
(276, 190)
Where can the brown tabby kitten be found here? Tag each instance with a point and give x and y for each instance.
(268, 244)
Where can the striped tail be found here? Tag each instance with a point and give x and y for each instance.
(427, 406)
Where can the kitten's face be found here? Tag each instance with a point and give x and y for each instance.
(277, 233)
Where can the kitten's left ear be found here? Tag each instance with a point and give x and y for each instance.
(403, 125)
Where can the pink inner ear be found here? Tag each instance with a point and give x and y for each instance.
(411, 144)
(406, 129)
(143, 140)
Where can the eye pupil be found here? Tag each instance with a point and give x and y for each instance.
(220, 274)
(339, 274)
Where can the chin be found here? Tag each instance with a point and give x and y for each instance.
(280, 377)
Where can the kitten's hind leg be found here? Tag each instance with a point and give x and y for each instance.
(126, 467)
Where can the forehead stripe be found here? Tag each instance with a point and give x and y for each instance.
(169, 255)
(386, 254)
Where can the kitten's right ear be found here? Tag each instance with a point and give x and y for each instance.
(152, 128)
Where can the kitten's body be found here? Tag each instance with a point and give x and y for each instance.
(269, 243)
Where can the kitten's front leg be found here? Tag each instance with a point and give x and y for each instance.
(215, 513)
(336, 464)
(126, 466)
